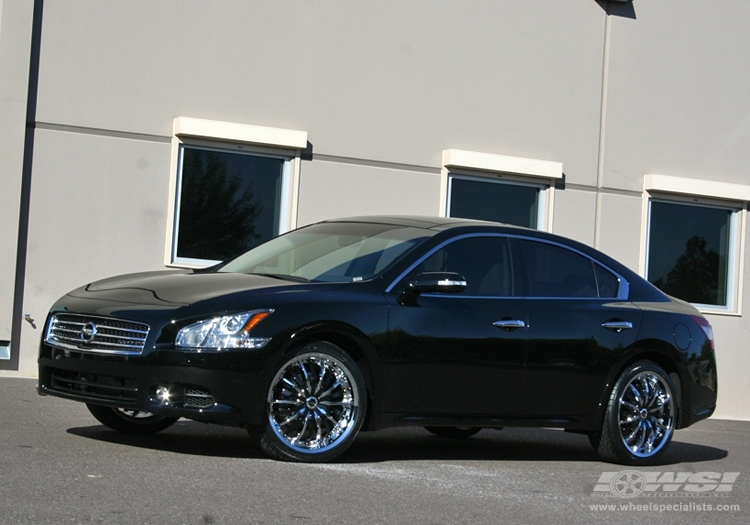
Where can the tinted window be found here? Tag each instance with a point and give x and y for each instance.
(228, 203)
(607, 282)
(331, 252)
(554, 271)
(494, 201)
(688, 251)
(483, 261)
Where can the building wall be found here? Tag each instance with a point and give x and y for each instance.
(392, 81)
(347, 189)
(381, 90)
(15, 40)
(676, 102)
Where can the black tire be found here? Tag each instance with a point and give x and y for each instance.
(453, 432)
(315, 405)
(130, 421)
(640, 416)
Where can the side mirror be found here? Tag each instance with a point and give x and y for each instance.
(436, 282)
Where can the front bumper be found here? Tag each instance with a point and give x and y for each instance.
(220, 387)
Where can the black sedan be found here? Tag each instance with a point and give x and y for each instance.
(366, 323)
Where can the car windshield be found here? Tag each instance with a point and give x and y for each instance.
(329, 252)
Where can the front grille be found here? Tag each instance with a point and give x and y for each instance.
(195, 398)
(94, 386)
(89, 333)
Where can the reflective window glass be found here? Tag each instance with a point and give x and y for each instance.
(607, 282)
(484, 262)
(227, 203)
(331, 252)
(494, 201)
(688, 251)
(554, 271)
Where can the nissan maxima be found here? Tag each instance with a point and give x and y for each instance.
(365, 323)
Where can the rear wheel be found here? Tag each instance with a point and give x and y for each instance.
(453, 432)
(640, 416)
(130, 421)
(315, 405)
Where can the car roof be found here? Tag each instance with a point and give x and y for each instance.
(422, 221)
(640, 289)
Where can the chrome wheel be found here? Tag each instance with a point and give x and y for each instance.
(311, 403)
(646, 413)
(640, 416)
(315, 405)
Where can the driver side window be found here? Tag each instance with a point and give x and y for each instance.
(484, 262)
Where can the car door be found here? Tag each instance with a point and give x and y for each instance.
(459, 354)
(579, 320)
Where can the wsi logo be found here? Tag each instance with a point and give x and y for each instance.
(631, 483)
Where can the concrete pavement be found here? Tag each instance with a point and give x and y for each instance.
(59, 466)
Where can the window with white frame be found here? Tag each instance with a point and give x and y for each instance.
(227, 202)
(693, 242)
(512, 190)
(689, 251)
(233, 188)
(494, 200)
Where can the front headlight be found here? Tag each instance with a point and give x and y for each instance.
(227, 331)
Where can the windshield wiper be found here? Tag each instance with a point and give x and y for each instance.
(283, 277)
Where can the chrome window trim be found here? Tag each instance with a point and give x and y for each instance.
(493, 297)
(623, 290)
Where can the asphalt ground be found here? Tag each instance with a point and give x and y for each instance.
(59, 466)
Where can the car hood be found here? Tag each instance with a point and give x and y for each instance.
(176, 288)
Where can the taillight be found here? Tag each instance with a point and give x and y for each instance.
(706, 327)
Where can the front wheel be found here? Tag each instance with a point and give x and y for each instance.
(640, 416)
(315, 405)
(130, 421)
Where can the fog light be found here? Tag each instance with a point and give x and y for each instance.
(162, 394)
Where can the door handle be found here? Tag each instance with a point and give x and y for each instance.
(510, 324)
(617, 326)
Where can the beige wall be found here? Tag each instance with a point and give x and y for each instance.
(677, 100)
(620, 228)
(340, 189)
(573, 209)
(389, 81)
(15, 41)
(733, 362)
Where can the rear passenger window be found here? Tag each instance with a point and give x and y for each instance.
(606, 281)
(554, 271)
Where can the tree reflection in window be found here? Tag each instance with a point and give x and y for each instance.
(695, 275)
(689, 251)
(229, 203)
